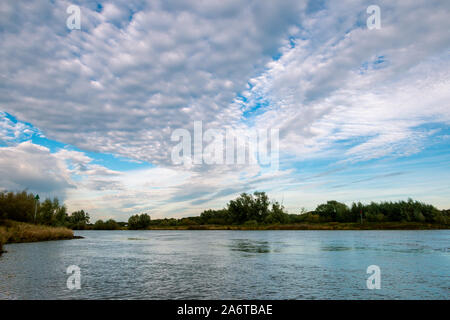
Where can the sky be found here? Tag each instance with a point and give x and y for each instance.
(88, 115)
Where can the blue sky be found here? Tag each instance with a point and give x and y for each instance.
(108, 160)
(87, 115)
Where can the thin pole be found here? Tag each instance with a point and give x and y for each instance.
(36, 199)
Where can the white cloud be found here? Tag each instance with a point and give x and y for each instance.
(33, 167)
(362, 94)
(139, 70)
(136, 70)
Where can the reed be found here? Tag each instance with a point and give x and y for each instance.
(14, 232)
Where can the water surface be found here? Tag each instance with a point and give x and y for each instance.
(231, 265)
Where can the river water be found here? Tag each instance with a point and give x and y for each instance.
(231, 265)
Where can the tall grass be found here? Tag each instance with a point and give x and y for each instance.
(13, 232)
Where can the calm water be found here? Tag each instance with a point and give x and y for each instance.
(231, 265)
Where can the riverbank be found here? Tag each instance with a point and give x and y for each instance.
(315, 226)
(16, 232)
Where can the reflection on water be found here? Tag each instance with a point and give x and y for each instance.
(336, 248)
(246, 245)
(231, 265)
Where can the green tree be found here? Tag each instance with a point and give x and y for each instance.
(46, 211)
(17, 206)
(141, 221)
(249, 207)
(220, 217)
(333, 211)
(277, 214)
(78, 220)
(106, 225)
(240, 209)
(61, 217)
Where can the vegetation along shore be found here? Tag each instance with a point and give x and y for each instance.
(24, 219)
(16, 232)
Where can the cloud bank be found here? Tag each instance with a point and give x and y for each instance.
(350, 103)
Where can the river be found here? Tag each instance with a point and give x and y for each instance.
(231, 265)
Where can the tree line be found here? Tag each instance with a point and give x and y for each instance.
(23, 207)
(247, 209)
(400, 211)
(257, 209)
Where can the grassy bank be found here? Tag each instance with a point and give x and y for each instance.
(15, 232)
(314, 226)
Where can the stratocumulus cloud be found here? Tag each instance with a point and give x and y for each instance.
(88, 114)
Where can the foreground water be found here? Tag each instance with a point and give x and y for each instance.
(231, 265)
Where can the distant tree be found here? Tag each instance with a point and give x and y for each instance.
(220, 217)
(241, 208)
(17, 206)
(277, 214)
(133, 222)
(99, 225)
(122, 224)
(20, 206)
(333, 211)
(112, 225)
(141, 221)
(261, 205)
(356, 212)
(61, 217)
(249, 207)
(106, 225)
(188, 221)
(78, 220)
(46, 211)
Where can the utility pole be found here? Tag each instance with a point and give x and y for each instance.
(36, 199)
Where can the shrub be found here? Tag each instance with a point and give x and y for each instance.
(251, 223)
(141, 221)
(78, 220)
(106, 225)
